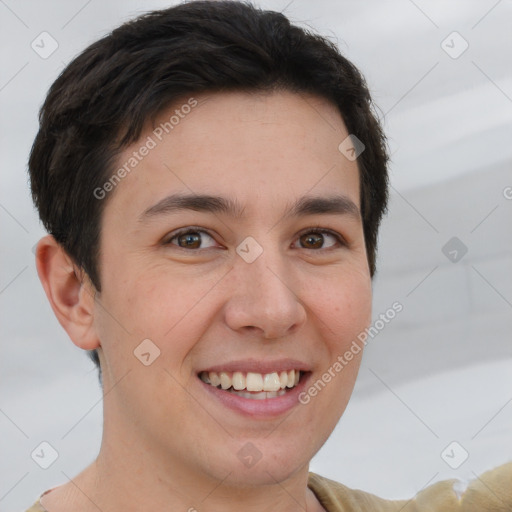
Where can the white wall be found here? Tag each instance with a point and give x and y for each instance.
(439, 372)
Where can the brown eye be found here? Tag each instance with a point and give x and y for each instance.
(316, 239)
(190, 239)
(312, 240)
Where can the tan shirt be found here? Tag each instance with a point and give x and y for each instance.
(490, 492)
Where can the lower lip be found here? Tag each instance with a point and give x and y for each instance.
(266, 408)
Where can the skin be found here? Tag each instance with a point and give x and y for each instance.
(166, 443)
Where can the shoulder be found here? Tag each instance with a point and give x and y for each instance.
(490, 491)
(36, 507)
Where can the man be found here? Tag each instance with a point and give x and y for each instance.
(212, 179)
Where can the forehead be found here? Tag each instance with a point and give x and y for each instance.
(260, 148)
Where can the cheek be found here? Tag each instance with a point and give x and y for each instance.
(165, 307)
(342, 311)
(343, 305)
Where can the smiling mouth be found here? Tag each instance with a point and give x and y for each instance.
(256, 386)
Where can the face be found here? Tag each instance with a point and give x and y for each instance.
(267, 277)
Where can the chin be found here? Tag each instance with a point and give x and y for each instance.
(259, 462)
(262, 474)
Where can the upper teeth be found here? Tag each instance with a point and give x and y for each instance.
(252, 381)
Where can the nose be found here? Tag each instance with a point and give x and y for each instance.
(264, 297)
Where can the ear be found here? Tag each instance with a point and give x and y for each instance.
(70, 292)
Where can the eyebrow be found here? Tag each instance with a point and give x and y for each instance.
(306, 205)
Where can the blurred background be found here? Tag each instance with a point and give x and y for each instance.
(434, 394)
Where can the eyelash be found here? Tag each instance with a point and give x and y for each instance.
(315, 230)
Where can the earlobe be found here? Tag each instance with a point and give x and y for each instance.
(70, 296)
